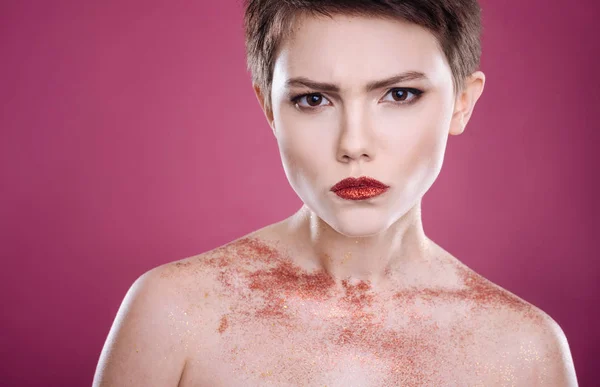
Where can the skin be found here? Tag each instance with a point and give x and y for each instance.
(342, 292)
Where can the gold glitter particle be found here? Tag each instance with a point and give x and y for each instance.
(346, 257)
(528, 353)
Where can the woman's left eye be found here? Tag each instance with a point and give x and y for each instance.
(403, 95)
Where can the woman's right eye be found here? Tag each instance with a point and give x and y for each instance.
(309, 100)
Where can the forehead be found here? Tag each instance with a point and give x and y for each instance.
(358, 49)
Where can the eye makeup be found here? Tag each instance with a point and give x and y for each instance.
(317, 98)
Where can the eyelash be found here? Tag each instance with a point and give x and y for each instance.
(416, 92)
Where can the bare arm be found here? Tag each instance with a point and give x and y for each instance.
(141, 348)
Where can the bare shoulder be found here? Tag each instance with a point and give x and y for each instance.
(169, 312)
(525, 338)
(553, 361)
(538, 345)
(139, 348)
(241, 255)
(204, 286)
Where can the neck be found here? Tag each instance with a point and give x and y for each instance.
(375, 258)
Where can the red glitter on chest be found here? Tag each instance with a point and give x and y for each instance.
(359, 327)
(223, 325)
(272, 280)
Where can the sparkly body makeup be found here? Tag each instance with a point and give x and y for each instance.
(349, 291)
(266, 321)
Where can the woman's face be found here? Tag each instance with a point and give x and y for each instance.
(335, 115)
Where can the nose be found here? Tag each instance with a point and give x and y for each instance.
(355, 136)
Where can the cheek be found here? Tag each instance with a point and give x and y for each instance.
(304, 146)
(427, 151)
(427, 158)
(415, 141)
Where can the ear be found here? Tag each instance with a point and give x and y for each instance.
(264, 106)
(465, 102)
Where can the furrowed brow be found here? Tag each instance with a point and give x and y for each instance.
(403, 77)
(303, 81)
(332, 88)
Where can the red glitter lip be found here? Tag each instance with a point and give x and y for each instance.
(359, 188)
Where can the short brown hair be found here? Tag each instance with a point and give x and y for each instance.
(455, 23)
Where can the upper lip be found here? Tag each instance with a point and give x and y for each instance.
(363, 181)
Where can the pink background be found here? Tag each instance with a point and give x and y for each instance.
(130, 137)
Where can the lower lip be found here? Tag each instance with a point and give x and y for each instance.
(359, 193)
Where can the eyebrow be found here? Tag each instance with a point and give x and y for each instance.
(333, 88)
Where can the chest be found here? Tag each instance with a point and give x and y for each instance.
(359, 349)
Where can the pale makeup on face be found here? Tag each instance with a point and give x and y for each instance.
(355, 96)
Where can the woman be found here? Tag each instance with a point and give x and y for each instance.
(361, 97)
